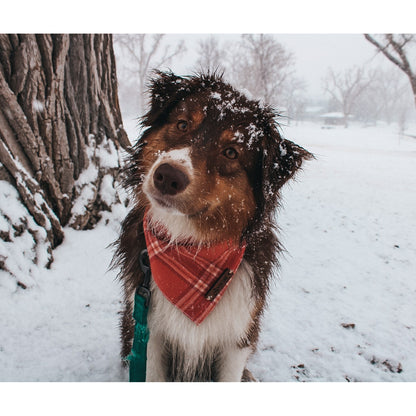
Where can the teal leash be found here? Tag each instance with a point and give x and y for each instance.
(138, 355)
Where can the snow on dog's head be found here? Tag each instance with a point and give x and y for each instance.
(211, 161)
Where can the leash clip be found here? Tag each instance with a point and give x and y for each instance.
(143, 290)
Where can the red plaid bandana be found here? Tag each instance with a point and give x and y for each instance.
(192, 278)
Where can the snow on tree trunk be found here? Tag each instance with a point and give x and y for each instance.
(61, 138)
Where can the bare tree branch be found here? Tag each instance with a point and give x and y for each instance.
(393, 47)
(261, 65)
(211, 56)
(140, 54)
(384, 50)
(345, 88)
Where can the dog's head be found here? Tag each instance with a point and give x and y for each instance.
(211, 161)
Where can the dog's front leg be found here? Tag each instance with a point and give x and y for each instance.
(233, 362)
(155, 368)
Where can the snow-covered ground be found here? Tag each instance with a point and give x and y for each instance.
(343, 308)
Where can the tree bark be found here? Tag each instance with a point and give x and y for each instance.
(61, 133)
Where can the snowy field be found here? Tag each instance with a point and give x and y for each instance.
(342, 309)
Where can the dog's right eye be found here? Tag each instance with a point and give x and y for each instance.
(182, 125)
(230, 153)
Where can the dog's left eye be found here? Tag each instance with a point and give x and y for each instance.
(182, 125)
(230, 153)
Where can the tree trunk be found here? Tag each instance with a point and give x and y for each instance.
(61, 135)
(412, 80)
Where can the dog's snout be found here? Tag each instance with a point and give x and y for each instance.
(170, 180)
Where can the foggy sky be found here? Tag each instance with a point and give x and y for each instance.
(313, 53)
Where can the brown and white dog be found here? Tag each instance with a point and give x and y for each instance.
(207, 169)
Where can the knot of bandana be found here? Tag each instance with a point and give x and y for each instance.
(191, 277)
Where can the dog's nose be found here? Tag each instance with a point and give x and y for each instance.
(170, 180)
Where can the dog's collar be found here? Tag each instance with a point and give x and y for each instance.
(192, 278)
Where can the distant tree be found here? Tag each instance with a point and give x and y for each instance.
(138, 54)
(399, 49)
(345, 88)
(261, 65)
(211, 57)
(60, 136)
(387, 98)
(293, 98)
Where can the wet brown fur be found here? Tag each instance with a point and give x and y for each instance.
(252, 183)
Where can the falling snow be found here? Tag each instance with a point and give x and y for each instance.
(342, 309)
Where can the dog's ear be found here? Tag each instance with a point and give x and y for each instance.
(281, 159)
(164, 89)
